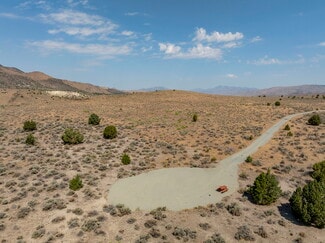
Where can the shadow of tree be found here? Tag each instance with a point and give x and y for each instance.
(286, 212)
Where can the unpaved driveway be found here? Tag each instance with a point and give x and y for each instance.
(182, 188)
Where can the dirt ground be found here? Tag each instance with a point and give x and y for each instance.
(156, 130)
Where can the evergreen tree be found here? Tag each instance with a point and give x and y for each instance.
(308, 204)
(266, 189)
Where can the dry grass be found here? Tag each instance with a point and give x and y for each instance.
(156, 130)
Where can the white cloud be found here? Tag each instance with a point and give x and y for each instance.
(231, 45)
(230, 75)
(75, 23)
(71, 17)
(100, 50)
(266, 61)
(132, 13)
(127, 33)
(256, 39)
(201, 35)
(322, 44)
(275, 61)
(74, 3)
(169, 49)
(9, 16)
(197, 52)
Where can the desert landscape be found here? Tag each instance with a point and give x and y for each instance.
(157, 131)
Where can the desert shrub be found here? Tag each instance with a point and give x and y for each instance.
(314, 120)
(194, 118)
(29, 125)
(72, 136)
(289, 134)
(287, 127)
(319, 171)
(30, 140)
(265, 189)
(75, 183)
(125, 159)
(94, 119)
(277, 103)
(215, 238)
(234, 209)
(110, 132)
(244, 233)
(249, 159)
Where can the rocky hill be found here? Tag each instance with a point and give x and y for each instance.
(11, 77)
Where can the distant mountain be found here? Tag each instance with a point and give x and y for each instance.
(152, 89)
(274, 91)
(292, 90)
(11, 77)
(226, 90)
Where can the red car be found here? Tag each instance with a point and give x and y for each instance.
(222, 189)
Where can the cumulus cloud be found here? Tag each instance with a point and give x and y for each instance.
(201, 35)
(197, 52)
(101, 50)
(169, 48)
(322, 44)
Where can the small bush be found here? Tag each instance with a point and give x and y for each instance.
(125, 159)
(29, 125)
(71, 136)
(94, 119)
(265, 189)
(194, 118)
(75, 183)
(319, 171)
(234, 209)
(30, 140)
(314, 120)
(289, 134)
(277, 103)
(249, 159)
(287, 127)
(110, 132)
(244, 233)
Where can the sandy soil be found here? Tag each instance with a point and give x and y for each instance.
(156, 130)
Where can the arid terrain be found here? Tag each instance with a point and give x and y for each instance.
(157, 131)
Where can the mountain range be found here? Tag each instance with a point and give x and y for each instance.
(11, 77)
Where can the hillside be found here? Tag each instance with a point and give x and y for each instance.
(273, 91)
(14, 78)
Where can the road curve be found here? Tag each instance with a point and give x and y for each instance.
(183, 188)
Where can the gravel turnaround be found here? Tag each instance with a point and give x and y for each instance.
(184, 188)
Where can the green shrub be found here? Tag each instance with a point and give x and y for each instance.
(308, 203)
(75, 183)
(72, 136)
(319, 171)
(249, 159)
(265, 189)
(277, 103)
(110, 132)
(30, 140)
(287, 127)
(314, 120)
(289, 134)
(29, 125)
(126, 159)
(94, 119)
(194, 118)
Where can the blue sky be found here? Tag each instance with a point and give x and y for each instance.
(179, 44)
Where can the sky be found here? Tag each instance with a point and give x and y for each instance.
(177, 44)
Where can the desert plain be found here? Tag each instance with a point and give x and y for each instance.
(157, 131)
